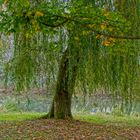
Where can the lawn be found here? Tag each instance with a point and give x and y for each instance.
(28, 126)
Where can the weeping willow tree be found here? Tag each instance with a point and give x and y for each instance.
(84, 44)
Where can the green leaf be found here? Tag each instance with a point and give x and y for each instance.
(24, 3)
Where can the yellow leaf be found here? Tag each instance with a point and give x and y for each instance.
(106, 43)
(29, 13)
(37, 28)
(112, 39)
(39, 14)
(103, 26)
(110, 29)
(85, 32)
(106, 14)
(98, 36)
(91, 25)
(35, 25)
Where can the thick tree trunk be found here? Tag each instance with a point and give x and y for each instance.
(61, 105)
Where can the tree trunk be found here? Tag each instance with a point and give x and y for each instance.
(61, 105)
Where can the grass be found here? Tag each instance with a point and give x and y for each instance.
(110, 119)
(19, 116)
(98, 119)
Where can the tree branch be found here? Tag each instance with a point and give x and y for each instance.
(89, 28)
(53, 25)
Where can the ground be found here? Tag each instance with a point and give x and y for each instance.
(85, 128)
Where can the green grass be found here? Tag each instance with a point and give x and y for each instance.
(110, 119)
(19, 116)
(97, 119)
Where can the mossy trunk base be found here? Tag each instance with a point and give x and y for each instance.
(61, 107)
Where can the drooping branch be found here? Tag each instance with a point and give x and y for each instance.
(69, 19)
